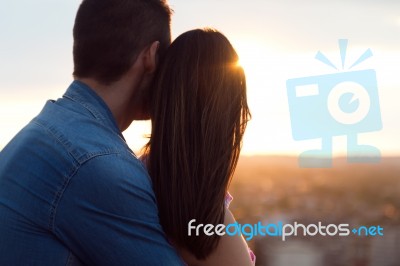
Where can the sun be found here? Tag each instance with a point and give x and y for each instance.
(266, 76)
(251, 54)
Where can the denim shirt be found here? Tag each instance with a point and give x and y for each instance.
(72, 192)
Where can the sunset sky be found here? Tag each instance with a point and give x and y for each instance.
(276, 41)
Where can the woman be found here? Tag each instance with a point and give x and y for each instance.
(199, 115)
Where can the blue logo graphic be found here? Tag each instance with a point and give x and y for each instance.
(345, 103)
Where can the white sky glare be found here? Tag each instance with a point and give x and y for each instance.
(276, 41)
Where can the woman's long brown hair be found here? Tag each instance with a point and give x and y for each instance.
(199, 115)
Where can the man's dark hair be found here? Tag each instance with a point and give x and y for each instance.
(110, 34)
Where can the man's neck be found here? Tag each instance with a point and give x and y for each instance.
(127, 97)
(117, 97)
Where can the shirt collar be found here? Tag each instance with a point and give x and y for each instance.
(84, 95)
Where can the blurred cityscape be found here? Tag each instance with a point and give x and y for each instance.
(272, 189)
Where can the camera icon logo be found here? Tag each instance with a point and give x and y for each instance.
(345, 103)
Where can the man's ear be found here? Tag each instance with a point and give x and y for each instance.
(150, 59)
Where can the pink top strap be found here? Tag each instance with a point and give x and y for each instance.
(228, 200)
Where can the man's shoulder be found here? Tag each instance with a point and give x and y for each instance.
(112, 183)
(96, 149)
(115, 172)
(82, 136)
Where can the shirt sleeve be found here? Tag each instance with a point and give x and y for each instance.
(107, 215)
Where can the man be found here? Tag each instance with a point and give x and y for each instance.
(71, 191)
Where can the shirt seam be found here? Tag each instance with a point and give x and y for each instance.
(67, 181)
(76, 164)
